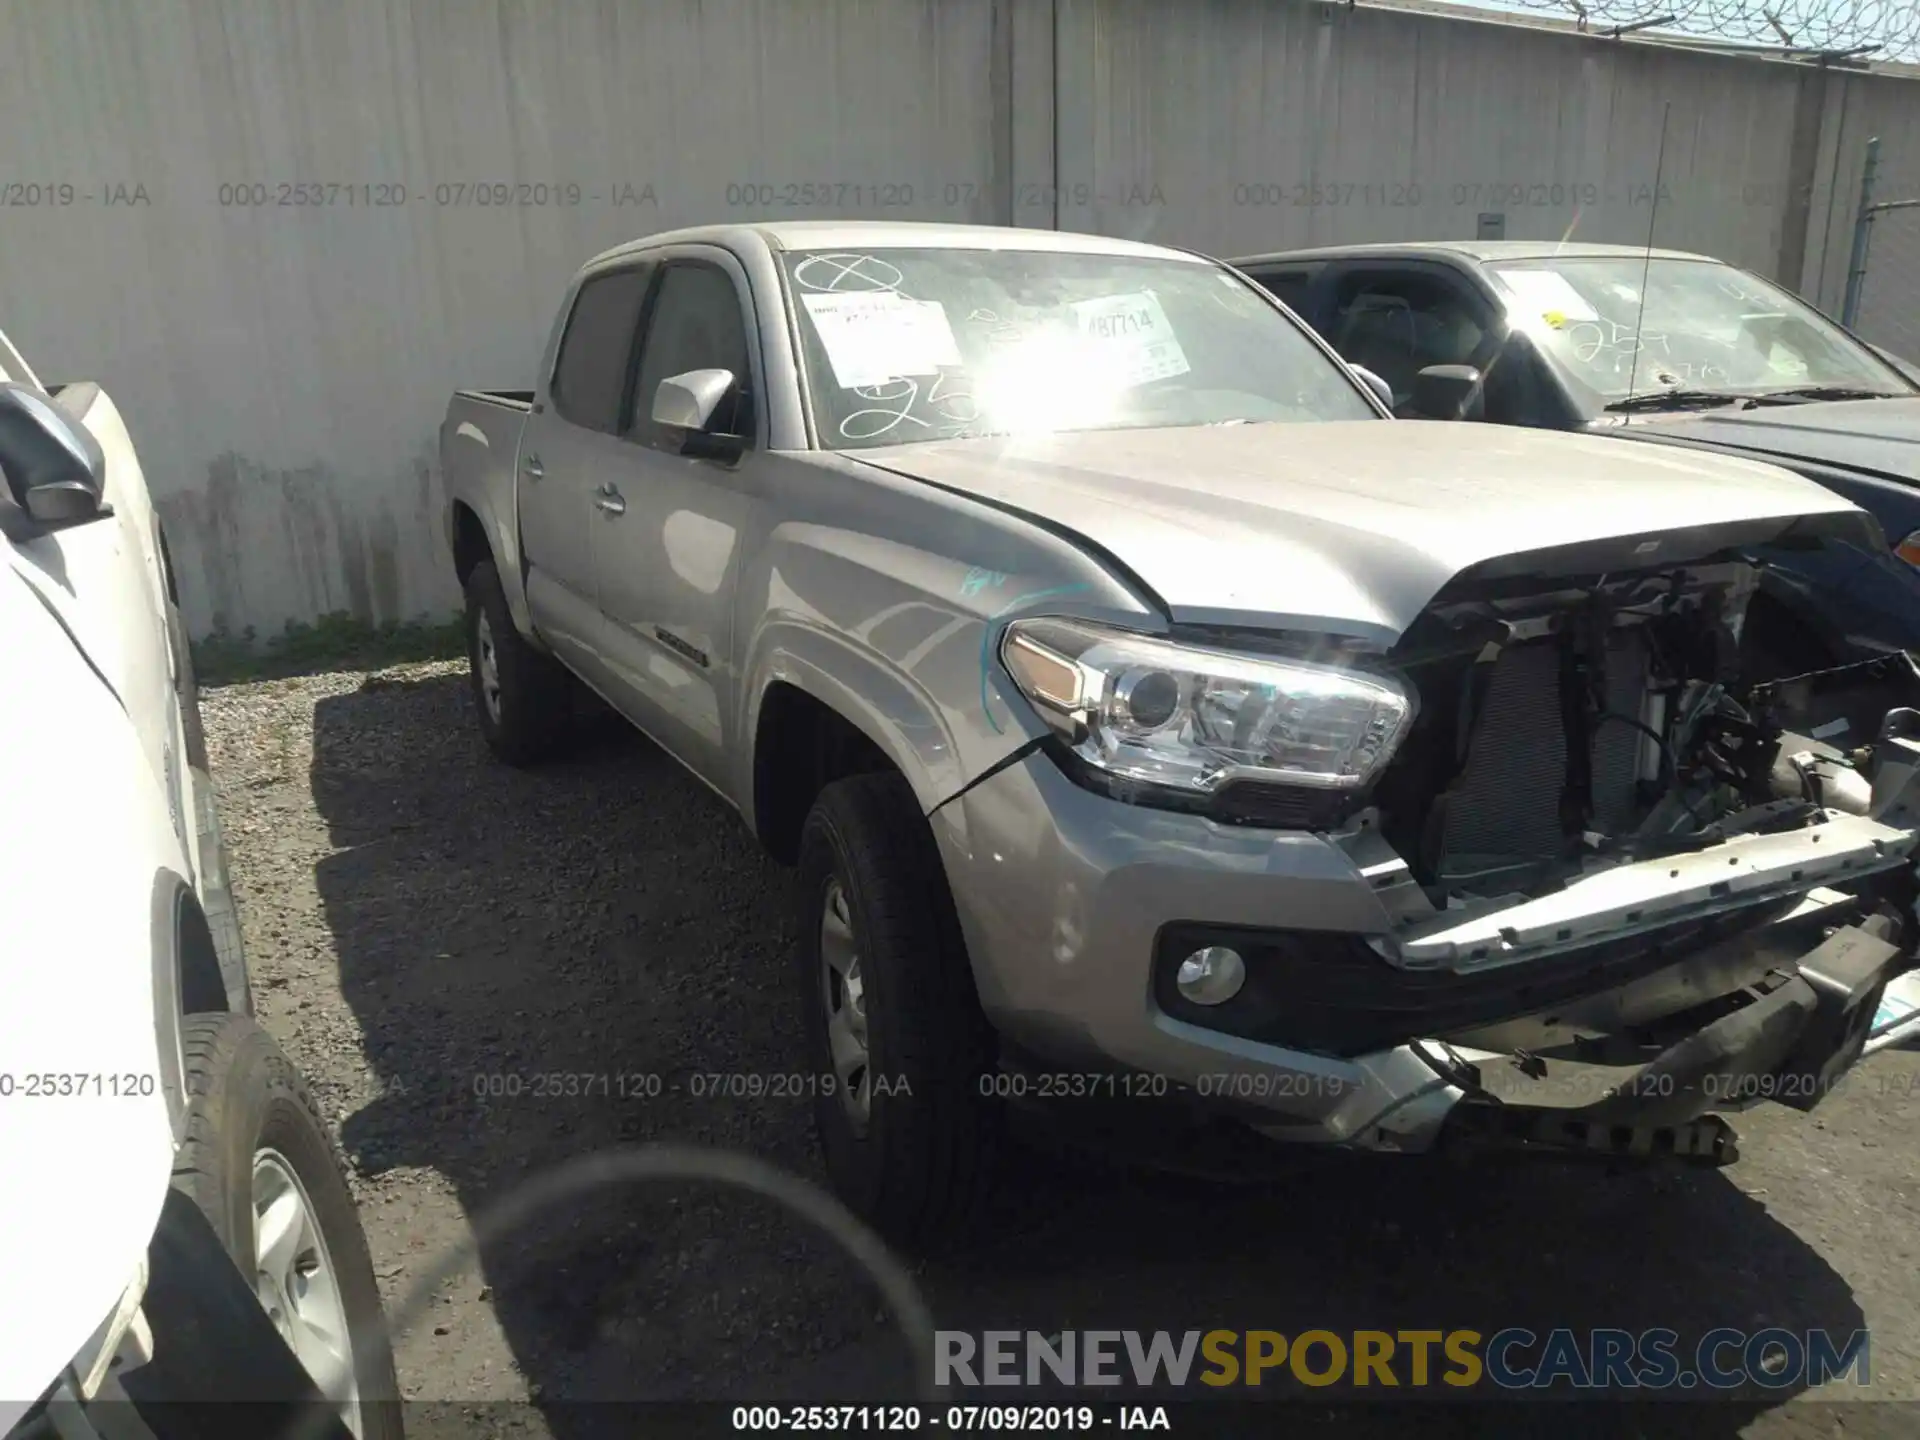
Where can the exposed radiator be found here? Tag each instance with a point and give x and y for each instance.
(1505, 807)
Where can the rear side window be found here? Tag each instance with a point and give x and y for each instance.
(1289, 287)
(590, 375)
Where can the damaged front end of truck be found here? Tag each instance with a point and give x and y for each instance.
(1629, 890)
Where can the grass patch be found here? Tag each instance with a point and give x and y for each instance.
(333, 642)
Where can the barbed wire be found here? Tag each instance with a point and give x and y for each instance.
(1833, 26)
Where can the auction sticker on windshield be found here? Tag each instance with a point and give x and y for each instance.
(1548, 294)
(873, 336)
(1134, 332)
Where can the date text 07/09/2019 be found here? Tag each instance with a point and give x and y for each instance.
(959, 1419)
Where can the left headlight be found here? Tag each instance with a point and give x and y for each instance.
(1196, 720)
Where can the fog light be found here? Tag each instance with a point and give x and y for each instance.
(1211, 976)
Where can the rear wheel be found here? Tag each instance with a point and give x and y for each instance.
(894, 1025)
(259, 1164)
(523, 699)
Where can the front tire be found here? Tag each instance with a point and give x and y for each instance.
(259, 1164)
(910, 1140)
(523, 699)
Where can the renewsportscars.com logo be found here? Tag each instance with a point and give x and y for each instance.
(1509, 1359)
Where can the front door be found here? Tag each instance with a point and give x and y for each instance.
(666, 530)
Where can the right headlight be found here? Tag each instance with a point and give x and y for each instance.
(1192, 720)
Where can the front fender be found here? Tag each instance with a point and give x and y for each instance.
(884, 704)
(896, 636)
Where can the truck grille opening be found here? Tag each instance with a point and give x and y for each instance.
(1572, 727)
(1504, 809)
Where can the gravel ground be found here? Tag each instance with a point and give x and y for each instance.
(432, 932)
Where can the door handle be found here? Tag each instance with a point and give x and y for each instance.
(531, 464)
(609, 500)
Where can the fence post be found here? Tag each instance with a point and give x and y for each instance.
(1862, 223)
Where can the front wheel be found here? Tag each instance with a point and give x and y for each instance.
(895, 1029)
(259, 1164)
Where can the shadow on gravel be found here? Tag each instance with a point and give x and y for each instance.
(550, 962)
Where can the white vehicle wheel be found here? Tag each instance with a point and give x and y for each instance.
(295, 1279)
(262, 1168)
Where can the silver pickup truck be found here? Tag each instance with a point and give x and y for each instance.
(1149, 714)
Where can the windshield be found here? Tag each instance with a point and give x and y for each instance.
(927, 344)
(1705, 326)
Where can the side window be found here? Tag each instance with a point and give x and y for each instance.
(1289, 287)
(695, 324)
(590, 375)
(1398, 324)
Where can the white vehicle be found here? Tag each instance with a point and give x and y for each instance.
(176, 1232)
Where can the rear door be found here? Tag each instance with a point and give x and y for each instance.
(569, 447)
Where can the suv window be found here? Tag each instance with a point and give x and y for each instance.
(591, 372)
(1289, 287)
(695, 324)
(1398, 324)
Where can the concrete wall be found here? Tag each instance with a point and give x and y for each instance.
(1412, 125)
(284, 367)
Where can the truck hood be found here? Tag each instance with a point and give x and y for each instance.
(1878, 436)
(1351, 527)
(83, 834)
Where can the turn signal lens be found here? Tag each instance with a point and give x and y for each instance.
(1909, 549)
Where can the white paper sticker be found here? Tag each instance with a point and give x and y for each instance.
(1547, 293)
(1898, 1003)
(873, 336)
(1133, 332)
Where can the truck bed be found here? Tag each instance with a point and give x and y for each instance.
(479, 460)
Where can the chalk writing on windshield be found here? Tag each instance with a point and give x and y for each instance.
(888, 404)
(1745, 291)
(893, 405)
(1595, 340)
(844, 272)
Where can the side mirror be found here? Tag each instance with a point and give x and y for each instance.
(688, 402)
(55, 470)
(1448, 392)
(1374, 383)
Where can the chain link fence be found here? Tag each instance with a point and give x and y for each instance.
(1890, 289)
(1882, 302)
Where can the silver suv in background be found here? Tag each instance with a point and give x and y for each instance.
(1147, 712)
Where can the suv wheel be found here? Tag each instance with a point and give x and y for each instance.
(259, 1164)
(894, 1025)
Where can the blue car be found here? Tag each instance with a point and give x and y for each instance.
(1658, 346)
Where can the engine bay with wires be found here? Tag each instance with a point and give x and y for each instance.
(1606, 728)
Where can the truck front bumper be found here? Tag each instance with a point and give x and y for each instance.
(1620, 1029)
